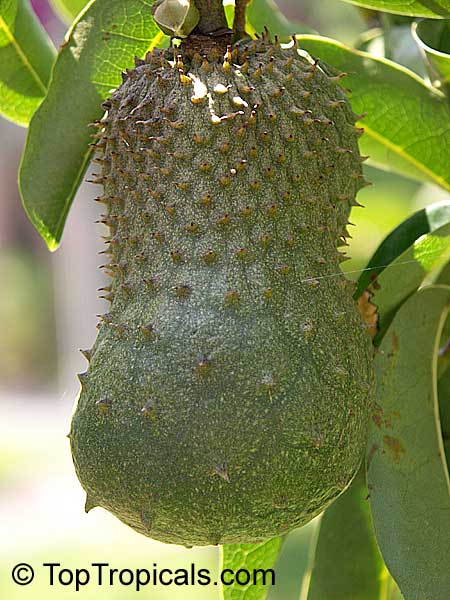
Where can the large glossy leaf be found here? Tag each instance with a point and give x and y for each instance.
(424, 259)
(407, 472)
(26, 59)
(401, 238)
(102, 42)
(347, 564)
(433, 39)
(265, 13)
(261, 556)
(437, 9)
(68, 9)
(406, 121)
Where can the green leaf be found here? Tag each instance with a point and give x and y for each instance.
(444, 372)
(102, 42)
(261, 556)
(433, 39)
(437, 9)
(26, 59)
(68, 9)
(424, 259)
(347, 564)
(293, 562)
(400, 239)
(407, 472)
(444, 408)
(265, 13)
(406, 122)
(444, 352)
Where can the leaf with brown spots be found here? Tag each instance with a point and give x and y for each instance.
(394, 447)
(406, 466)
(368, 312)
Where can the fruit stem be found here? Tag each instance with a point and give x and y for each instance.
(212, 17)
(239, 18)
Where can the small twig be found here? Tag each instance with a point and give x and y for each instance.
(239, 17)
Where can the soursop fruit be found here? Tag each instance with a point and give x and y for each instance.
(228, 390)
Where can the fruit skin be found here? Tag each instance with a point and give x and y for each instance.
(229, 387)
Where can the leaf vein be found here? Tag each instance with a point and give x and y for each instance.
(408, 157)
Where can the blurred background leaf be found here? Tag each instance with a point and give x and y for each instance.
(438, 9)
(26, 59)
(346, 563)
(68, 9)
(433, 39)
(251, 556)
(293, 562)
(399, 43)
(265, 13)
(399, 46)
(100, 45)
(390, 36)
(407, 474)
(27, 341)
(393, 97)
(444, 404)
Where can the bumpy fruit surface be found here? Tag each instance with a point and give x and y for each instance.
(228, 390)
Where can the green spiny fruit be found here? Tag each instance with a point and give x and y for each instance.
(228, 390)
